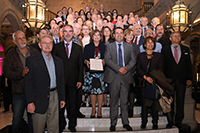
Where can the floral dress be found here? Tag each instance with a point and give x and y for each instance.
(93, 81)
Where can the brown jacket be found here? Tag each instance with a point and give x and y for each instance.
(13, 69)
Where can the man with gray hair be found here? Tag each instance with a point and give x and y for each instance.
(138, 34)
(15, 70)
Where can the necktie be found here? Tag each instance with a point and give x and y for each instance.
(135, 40)
(176, 54)
(120, 61)
(67, 50)
(56, 40)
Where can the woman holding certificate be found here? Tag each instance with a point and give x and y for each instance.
(93, 79)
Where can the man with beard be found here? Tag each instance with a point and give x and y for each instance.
(71, 54)
(161, 37)
(15, 70)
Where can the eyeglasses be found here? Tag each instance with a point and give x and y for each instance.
(85, 29)
(148, 33)
(176, 36)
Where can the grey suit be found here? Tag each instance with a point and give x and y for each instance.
(119, 85)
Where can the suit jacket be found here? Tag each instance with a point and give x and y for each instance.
(37, 82)
(141, 40)
(142, 62)
(73, 67)
(164, 40)
(174, 71)
(89, 52)
(111, 60)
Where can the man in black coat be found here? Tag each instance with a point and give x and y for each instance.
(44, 87)
(72, 56)
(177, 66)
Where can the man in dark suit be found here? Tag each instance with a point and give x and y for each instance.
(55, 30)
(177, 66)
(44, 87)
(40, 33)
(144, 22)
(161, 37)
(71, 54)
(138, 35)
(120, 60)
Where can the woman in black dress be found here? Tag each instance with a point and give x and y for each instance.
(154, 61)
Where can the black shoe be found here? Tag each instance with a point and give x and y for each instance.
(112, 128)
(155, 126)
(169, 125)
(99, 116)
(92, 116)
(104, 106)
(128, 127)
(80, 115)
(72, 129)
(143, 126)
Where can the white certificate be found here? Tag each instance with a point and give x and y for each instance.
(96, 65)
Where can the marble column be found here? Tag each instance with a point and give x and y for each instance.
(189, 110)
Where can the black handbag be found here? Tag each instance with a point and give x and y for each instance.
(151, 91)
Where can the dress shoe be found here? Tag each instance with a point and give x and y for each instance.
(169, 125)
(128, 127)
(104, 106)
(80, 115)
(92, 116)
(143, 126)
(112, 128)
(155, 126)
(99, 116)
(72, 129)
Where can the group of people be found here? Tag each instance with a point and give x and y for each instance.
(50, 76)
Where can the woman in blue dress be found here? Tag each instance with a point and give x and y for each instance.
(93, 80)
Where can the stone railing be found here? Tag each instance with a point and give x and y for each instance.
(145, 7)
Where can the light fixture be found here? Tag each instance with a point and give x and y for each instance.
(35, 13)
(179, 17)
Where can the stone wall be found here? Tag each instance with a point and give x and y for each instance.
(123, 6)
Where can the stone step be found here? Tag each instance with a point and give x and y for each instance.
(105, 122)
(106, 111)
(161, 129)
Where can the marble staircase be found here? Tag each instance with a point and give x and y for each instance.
(102, 125)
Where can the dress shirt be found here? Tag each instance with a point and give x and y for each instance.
(157, 49)
(122, 48)
(86, 40)
(51, 69)
(69, 47)
(138, 39)
(54, 39)
(178, 50)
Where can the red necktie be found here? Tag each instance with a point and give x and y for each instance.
(176, 54)
(67, 50)
(135, 40)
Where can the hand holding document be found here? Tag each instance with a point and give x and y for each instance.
(96, 65)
